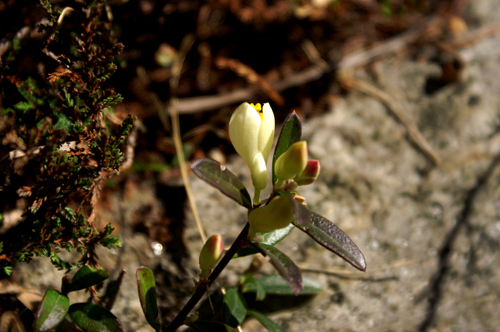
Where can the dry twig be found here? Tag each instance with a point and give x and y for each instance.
(176, 132)
(245, 71)
(349, 62)
(397, 110)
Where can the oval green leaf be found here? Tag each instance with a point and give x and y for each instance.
(275, 284)
(206, 326)
(270, 238)
(324, 232)
(87, 277)
(52, 310)
(250, 284)
(93, 318)
(218, 176)
(269, 324)
(234, 308)
(283, 265)
(291, 132)
(147, 295)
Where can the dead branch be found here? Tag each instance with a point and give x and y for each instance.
(251, 76)
(349, 62)
(397, 110)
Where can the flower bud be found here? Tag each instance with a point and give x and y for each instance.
(251, 129)
(210, 255)
(275, 215)
(309, 174)
(292, 162)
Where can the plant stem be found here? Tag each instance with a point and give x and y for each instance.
(200, 290)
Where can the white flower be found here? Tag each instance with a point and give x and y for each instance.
(251, 130)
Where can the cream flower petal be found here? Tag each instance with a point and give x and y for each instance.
(252, 131)
(244, 128)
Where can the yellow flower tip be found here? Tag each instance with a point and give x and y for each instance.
(258, 107)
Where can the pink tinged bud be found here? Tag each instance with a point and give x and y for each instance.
(309, 174)
(292, 162)
(210, 254)
(275, 215)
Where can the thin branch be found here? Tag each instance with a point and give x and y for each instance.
(172, 109)
(349, 275)
(11, 321)
(397, 110)
(357, 275)
(201, 288)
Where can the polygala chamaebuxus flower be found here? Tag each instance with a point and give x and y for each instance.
(210, 255)
(251, 129)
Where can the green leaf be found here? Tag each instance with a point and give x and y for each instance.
(86, 277)
(93, 318)
(269, 324)
(250, 284)
(111, 242)
(52, 310)
(275, 284)
(324, 232)
(218, 176)
(5, 270)
(270, 238)
(283, 265)
(147, 295)
(205, 326)
(24, 106)
(234, 308)
(63, 122)
(291, 132)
